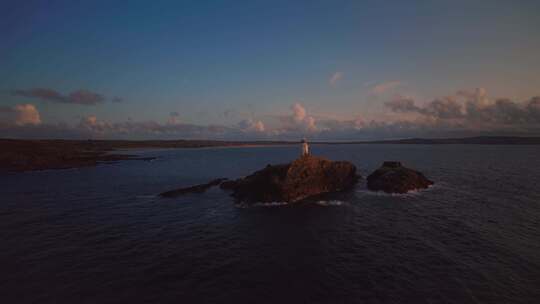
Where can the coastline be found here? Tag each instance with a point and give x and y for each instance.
(35, 155)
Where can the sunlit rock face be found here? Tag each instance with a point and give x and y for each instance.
(305, 177)
(393, 177)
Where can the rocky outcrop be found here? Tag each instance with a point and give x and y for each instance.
(193, 189)
(228, 184)
(305, 177)
(392, 177)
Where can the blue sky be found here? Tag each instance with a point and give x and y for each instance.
(241, 63)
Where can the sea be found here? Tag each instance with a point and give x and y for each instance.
(103, 235)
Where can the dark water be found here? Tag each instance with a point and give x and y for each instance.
(100, 235)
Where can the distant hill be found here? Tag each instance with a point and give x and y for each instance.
(479, 140)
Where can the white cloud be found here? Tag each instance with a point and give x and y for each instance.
(92, 124)
(249, 125)
(27, 114)
(89, 120)
(299, 112)
(173, 118)
(299, 119)
(336, 77)
(309, 123)
(21, 114)
(258, 126)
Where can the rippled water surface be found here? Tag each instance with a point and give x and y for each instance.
(100, 235)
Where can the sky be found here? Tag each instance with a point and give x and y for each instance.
(330, 70)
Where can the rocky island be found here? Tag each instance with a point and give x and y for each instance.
(309, 176)
(305, 177)
(393, 177)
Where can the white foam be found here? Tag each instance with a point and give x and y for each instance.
(269, 204)
(409, 193)
(330, 203)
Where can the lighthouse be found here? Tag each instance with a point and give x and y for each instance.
(305, 147)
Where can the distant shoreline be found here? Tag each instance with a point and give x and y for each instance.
(479, 140)
(20, 155)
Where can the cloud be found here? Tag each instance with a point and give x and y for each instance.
(473, 109)
(82, 97)
(117, 99)
(467, 113)
(451, 116)
(385, 87)
(444, 108)
(21, 114)
(249, 125)
(402, 104)
(299, 112)
(93, 127)
(310, 123)
(298, 120)
(85, 97)
(173, 118)
(335, 78)
(40, 93)
(478, 96)
(533, 106)
(89, 120)
(90, 124)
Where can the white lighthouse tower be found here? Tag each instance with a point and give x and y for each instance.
(305, 147)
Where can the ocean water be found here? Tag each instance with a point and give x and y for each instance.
(101, 235)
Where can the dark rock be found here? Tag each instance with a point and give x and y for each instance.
(392, 177)
(193, 189)
(305, 177)
(391, 164)
(228, 184)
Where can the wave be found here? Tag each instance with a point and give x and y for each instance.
(270, 204)
(329, 203)
(414, 192)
